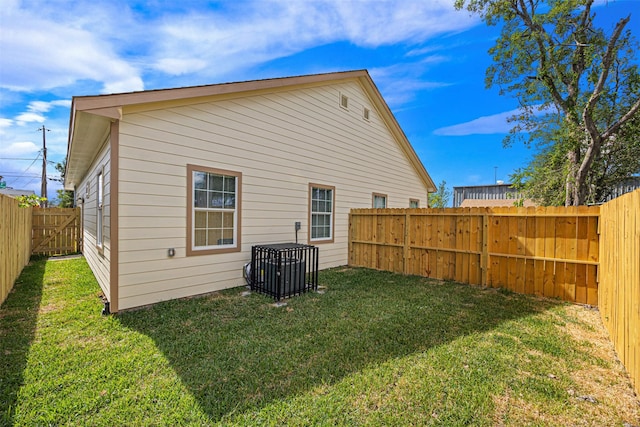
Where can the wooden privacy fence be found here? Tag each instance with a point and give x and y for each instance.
(56, 231)
(549, 251)
(15, 244)
(619, 294)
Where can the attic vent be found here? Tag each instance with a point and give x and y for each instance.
(344, 101)
(365, 113)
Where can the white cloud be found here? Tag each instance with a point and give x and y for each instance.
(45, 107)
(55, 51)
(18, 149)
(56, 43)
(24, 118)
(485, 125)
(376, 23)
(5, 123)
(399, 83)
(217, 43)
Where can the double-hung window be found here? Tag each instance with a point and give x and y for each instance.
(214, 210)
(321, 212)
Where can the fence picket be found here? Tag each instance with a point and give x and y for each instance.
(15, 242)
(56, 231)
(542, 251)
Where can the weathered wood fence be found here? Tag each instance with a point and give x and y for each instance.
(56, 231)
(619, 295)
(15, 242)
(550, 252)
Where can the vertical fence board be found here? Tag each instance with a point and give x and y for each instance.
(56, 231)
(15, 242)
(619, 288)
(541, 251)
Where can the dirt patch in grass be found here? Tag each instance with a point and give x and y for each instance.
(48, 308)
(591, 380)
(606, 380)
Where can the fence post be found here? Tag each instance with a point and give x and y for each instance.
(406, 246)
(484, 258)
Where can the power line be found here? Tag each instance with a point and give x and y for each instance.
(19, 175)
(32, 180)
(25, 171)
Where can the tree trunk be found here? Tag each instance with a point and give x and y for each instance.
(570, 183)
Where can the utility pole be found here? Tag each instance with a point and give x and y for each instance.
(495, 174)
(43, 184)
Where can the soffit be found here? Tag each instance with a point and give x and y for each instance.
(87, 134)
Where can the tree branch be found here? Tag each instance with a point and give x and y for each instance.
(622, 120)
(606, 65)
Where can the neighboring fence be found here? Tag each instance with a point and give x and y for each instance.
(619, 295)
(15, 242)
(550, 252)
(56, 231)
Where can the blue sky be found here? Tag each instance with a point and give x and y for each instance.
(427, 59)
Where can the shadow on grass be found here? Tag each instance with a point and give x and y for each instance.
(238, 354)
(18, 317)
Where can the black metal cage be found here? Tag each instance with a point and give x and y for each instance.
(283, 270)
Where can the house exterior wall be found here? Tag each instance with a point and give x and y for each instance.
(97, 258)
(280, 142)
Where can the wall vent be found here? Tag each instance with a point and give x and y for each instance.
(344, 101)
(365, 113)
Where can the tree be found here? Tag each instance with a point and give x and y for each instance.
(65, 197)
(578, 88)
(440, 199)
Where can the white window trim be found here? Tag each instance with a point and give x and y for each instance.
(329, 239)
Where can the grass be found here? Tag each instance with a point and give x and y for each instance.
(374, 349)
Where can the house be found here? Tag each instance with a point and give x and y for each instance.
(485, 196)
(176, 185)
(14, 192)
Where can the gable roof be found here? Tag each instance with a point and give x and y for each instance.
(91, 116)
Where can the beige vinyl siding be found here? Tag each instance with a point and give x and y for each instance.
(99, 262)
(280, 143)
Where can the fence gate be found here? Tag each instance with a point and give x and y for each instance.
(56, 231)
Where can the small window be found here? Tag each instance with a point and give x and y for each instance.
(365, 114)
(414, 203)
(214, 210)
(379, 201)
(344, 101)
(321, 209)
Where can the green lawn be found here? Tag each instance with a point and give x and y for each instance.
(375, 349)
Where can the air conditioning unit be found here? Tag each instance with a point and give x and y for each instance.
(283, 270)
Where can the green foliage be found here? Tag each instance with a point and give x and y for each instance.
(65, 197)
(440, 199)
(578, 87)
(30, 200)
